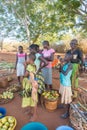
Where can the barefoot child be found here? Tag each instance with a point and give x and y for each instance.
(20, 59)
(30, 87)
(65, 84)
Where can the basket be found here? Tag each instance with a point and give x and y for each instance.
(51, 105)
(78, 118)
(15, 121)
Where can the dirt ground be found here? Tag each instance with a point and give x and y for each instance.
(51, 119)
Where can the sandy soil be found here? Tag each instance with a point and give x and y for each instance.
(51, 119)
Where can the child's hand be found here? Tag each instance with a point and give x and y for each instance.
(39, 70)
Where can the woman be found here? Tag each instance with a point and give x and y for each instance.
(77, 60)
(48, 54)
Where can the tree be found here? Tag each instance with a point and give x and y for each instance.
(32, 19)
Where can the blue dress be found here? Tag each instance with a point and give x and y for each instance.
(65, 80)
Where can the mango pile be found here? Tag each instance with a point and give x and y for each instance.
(7, 123)
(50, 95)
(6, 95)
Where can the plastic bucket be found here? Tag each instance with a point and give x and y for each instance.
(64, 128)
(34, 126)
(2, 112)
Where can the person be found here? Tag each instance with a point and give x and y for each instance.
(30, 87)
(85, 64)
(33, 48)
(38, 49)
(65, 84)
(77, 61)
(19, 65)
(48, 54)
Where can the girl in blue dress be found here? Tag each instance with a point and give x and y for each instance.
(65, 84)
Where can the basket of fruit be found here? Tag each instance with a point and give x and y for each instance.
(6, 97)
(8, 123)
(50, 99)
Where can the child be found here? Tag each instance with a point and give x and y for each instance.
(65, 83)
(20, 59)
(30, 87)
(48, 54)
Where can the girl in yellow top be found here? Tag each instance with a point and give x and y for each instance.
(30, 86)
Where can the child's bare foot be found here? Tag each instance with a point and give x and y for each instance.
(33, 118)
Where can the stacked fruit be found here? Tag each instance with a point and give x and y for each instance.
(6, 95)
(50, 95)
(8, 123)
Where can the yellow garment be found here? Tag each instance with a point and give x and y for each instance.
(30, 86)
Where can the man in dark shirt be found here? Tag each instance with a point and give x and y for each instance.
(77, 60)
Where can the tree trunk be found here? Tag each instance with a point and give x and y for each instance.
(1, 43)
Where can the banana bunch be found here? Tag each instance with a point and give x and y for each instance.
(50, 95)
(6, 95)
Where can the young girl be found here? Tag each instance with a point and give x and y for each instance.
(30, 87)
(48, 54)
(65, 84)
(20, 59)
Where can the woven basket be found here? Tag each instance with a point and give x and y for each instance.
(51, 105)
(77, 117)
(15, 122)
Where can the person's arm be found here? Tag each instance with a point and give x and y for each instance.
(81, 57)
(67, 70)
(25, 56)
(16, 61)
(42, 64)
(26, 74)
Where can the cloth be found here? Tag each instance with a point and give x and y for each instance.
(30, 97)
(40, 81)
(65, 80)
(21, 57)
(74, 77)
(47, 53)
(55, 62)
(66, 94)
(20, 69)
(47, 74)
(37, 61)
(76, 55)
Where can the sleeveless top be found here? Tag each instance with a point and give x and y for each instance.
(65, 80)
(21, 57)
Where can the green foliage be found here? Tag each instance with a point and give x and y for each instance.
(33, 19)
